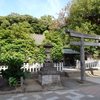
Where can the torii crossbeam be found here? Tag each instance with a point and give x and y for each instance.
(83, 36)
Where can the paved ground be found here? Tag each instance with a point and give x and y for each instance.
(76, 94)
(73, 91)
(32, 86)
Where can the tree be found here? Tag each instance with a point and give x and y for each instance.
(54, 38)
(83, 16)
(47, 21)
(15, 35)
(39, 54)
(19, 48)
(85, 13)
(16, 41)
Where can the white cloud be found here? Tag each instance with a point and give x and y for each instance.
(55, 4)
(55, 7)
(35, 4)
(40, 7)
(36, 8)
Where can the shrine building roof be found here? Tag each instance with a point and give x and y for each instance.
(68, 50)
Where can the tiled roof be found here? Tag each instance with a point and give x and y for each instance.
(38, 38)
(68, 50)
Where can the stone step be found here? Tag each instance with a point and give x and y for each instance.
(68, 73)
(71, 73)
(77, 73)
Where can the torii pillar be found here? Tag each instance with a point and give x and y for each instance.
(83, 36)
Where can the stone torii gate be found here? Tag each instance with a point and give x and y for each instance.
(81, 43)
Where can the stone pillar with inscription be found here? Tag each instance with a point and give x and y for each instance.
(48, 74)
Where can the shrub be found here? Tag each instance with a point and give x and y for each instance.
(14, 69)
(13, 82)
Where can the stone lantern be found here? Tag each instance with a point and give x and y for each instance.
(48, 51)
(48, 73)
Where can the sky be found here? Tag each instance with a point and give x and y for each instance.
(35, 8)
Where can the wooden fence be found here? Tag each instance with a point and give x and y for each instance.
(35, 67)
(89, 64)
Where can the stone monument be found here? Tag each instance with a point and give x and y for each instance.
(48, 74)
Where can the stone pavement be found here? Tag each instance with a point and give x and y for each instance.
(32, 86)
(71, 94)
(73, 91)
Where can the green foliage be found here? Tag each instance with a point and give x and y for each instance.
(39, 55)
(82, 16)
(13, 82)
(57, 53)
(64, 37)
(17, 48)
(54, 38)
(16, 37)
(26, 74)
(14, 68)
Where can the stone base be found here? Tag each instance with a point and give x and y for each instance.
(48, 79)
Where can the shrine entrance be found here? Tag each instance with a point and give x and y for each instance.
(69, 56)
(81, 43)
